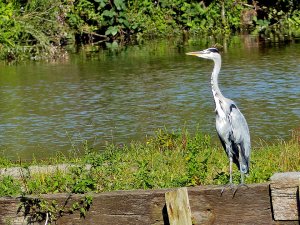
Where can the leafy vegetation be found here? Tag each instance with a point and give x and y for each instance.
(39, 29)
(39, 210)
(163, 161)
(169, 159)
(34, 29)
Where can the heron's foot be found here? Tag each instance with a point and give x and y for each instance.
(238, 186)
(229, 185)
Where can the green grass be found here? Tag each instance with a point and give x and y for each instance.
(168, 159)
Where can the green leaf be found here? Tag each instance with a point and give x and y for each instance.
(124, 22)
(109, 13)
(102, 3)
(113, 30)
(119, 4)
(112, 46)
(82, 212)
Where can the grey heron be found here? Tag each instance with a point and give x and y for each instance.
(231, 125)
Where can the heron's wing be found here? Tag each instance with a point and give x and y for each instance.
(240, 130)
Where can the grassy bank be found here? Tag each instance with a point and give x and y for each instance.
(163, 161)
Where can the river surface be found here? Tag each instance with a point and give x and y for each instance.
(116, 98)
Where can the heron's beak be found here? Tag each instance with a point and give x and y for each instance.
(199, 53)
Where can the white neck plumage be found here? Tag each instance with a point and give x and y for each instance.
(218, 97)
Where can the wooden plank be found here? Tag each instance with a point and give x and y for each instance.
(178, 207)
(285, 195)
(250, 205)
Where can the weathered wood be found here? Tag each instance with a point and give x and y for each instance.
(178, 207)
(285, 195)
(249, 205)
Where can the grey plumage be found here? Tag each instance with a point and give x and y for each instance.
(231, 125)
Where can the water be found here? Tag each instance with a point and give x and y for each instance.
(116, 98)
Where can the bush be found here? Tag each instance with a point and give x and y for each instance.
(38, 29)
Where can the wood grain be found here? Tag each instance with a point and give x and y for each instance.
(285, 195)
(178, 207)
(249, 205)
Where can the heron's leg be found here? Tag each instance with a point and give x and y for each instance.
(242, 178)
(240, 185)
(230, 170)
(230, 185)
(240, 162)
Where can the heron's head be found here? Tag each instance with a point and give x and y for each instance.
(210, 53)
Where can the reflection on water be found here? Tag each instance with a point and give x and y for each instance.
(45, 108)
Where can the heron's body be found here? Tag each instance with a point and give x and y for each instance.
(231, 125)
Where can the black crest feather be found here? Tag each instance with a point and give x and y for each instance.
(213, 50)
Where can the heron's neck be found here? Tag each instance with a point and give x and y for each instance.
(214, 82)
